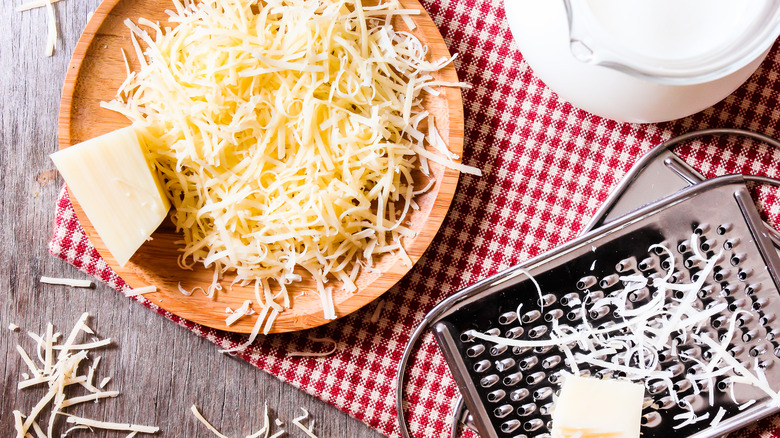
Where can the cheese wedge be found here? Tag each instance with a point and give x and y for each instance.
(117, 188)
(590, 408)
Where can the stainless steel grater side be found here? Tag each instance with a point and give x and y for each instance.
(509, 391)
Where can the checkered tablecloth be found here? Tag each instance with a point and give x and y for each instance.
(547, 168)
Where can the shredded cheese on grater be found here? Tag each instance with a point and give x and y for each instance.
(634, 346)
(287, 134)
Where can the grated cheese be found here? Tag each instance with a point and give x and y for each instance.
(377, 311)
(72, 282)
(307, 430)
(634, 346)
(287, 137)
(59, 372)
(238, 313)
(13, 327)
(140, 291)
(205, 422)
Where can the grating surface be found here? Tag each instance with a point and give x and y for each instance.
(512, 388)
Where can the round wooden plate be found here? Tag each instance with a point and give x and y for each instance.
(96, 71)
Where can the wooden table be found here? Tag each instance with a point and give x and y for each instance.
(160, 368)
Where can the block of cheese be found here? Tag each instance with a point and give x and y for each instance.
(589, 408)
(114, 183)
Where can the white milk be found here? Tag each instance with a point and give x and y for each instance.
(674, 29)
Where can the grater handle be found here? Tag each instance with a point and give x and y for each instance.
(649, 179)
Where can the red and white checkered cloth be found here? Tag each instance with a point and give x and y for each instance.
(547, 168)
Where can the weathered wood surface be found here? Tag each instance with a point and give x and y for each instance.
(160, 368)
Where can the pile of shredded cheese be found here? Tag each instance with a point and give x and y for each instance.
(287, 134)
(59, 366)
(651, 331)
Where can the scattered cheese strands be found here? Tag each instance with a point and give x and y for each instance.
(13, 327)
(205, 422)
(307, 430)
(641, 334)
(34, 4)
(238, 313)
(72, 282)
(111, 426)
(140, 291)
(288, 137)
(377, 311)
(60, 371)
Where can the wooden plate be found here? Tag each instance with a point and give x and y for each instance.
(96, 71)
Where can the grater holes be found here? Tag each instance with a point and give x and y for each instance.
(723, 229)
(510, 426)
(546, 410)
(530, 317)
(488, 381)
(700, 229)
(528, 362)
(731, 243)
(720, 274)
(498, 349)
(651, 419)
(608, 281)
(625, 264)
(736, 259)
(638, 295)
(553, 315)
(526, 409)
(519, 350)
(512, 380)
(546, 300)
(507, 318)
(756, 350)
(751, 289)
(475, 350)
(504, 364)
(519, 394)
(542, 393)
(646, 264)
(570, 300)
(551, 361)
(502, 411)
(493, 332)
(496, 396)
(467, 336)
(537, 332)
(542, 350)
(586, 282)
(743, 274)
(482, 366)
(535, 378)
(532, 425)
(598, 313)
(555, 377)
(707, 245)
(514, 332)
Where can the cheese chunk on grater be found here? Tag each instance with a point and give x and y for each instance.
(509, 390)
(590, 408)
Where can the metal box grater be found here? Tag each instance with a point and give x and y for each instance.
(509, 391)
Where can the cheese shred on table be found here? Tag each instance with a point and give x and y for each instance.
(287, 134)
